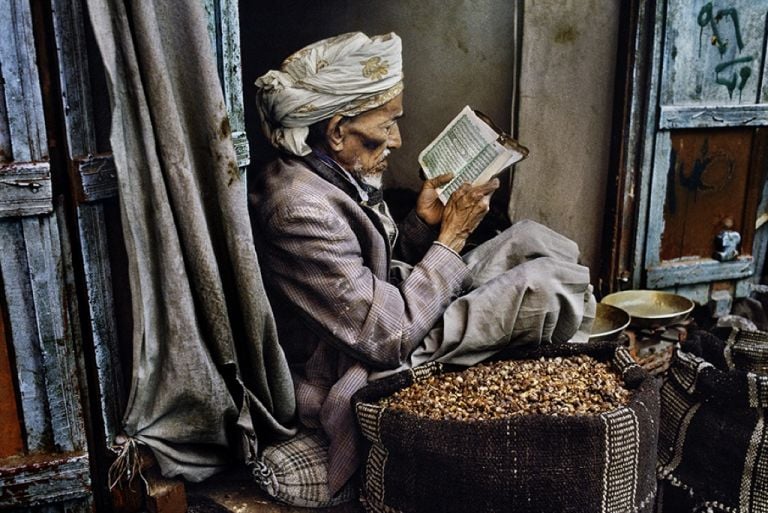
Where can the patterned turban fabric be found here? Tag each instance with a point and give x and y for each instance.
(347, 74)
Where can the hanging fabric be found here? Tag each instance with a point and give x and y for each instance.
(209, 380)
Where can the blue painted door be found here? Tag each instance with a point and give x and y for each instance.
(698, 119)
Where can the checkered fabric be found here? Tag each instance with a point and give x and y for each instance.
(296, 472)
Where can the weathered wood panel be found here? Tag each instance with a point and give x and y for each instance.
(224, 32)
(621, 218)
(643, 186)
(682, 92)
(5, 131)
(24, 336)
(744, 287)
(698, 292)
(31, 267)
(242, 150)
(656, 199)
(714, 51)
(672, 274)
(706, 191)
(44, 479)
(84, 505)
(11, 442)
(232, 76)
(685, 258)
(43, 252)
(94, 177)
(674, 117)
(74, 77)
(23, 101)
(756, 188)
(98, 278)
(78, 384)
(25, 189)
(47, 359)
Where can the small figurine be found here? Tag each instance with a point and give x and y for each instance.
(727, 245)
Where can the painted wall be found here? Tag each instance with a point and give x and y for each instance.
(455, 53)
(566, 95)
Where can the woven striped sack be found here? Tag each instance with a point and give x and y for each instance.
(713, 437)
(524, 463)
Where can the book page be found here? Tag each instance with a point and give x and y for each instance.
(473, 169)
(470, 148)
(465, 138)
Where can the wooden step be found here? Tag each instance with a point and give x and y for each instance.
(235, 491)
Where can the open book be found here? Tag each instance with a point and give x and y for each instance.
(472, 148)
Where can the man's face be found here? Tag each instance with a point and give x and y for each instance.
(368, 139)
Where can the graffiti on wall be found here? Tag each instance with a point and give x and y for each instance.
(725, 30)
(710, 171)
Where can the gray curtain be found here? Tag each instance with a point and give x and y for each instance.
(209, 378)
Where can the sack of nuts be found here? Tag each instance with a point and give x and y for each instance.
(567, 428)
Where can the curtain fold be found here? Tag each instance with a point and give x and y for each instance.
(209, 380)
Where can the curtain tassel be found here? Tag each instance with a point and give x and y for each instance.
(127, 465)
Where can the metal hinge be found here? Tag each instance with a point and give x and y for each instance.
(25, 189)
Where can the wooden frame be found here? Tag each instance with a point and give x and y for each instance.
(661, 274)
(45, 480)
(36, 277)
(224, 32)
(635, 222)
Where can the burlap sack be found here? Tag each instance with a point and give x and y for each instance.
(529, 463)
(713, 440)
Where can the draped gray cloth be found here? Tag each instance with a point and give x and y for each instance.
(527, 289)
(209, 379)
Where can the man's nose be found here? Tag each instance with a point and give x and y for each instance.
(394, 140)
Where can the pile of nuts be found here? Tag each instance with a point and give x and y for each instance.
(577, 385)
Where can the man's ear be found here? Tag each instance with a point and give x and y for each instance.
(335, 132)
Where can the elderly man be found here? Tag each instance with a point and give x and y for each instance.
(345, 308)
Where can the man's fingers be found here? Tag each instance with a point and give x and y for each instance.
(477, 194)
(489, 186)
(463, 190)
(471, 195)
(438, 181)
(478, 191)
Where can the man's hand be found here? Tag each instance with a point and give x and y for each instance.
(462, 214)
(428, 205)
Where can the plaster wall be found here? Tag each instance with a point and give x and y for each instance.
(463, 52)
(564, 118)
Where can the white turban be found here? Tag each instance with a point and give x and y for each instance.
(346, 74)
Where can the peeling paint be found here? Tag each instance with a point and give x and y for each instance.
(37, 479)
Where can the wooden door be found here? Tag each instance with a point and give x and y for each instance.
(693, 155)
(44, 460)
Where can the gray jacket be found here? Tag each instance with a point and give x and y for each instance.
(325, 262)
